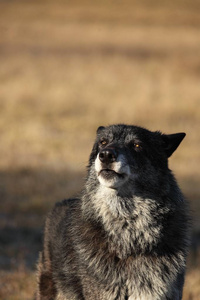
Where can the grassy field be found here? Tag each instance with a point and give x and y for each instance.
(67, 67)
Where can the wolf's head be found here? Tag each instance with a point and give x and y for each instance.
(130, 157)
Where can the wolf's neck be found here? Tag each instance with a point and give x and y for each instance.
(131, 223)
(110, 206)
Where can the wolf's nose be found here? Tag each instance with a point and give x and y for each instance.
(107, 156)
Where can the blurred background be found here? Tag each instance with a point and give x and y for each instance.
(67, 67)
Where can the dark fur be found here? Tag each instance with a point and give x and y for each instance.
(124, 242)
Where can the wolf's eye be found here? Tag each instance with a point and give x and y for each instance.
(136, 146)
(103, 142)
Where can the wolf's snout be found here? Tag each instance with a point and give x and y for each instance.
(108, 155)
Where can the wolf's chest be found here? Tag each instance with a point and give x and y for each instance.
(142, 279)
(132, 225)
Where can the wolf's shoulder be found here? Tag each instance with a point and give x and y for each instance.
(67, 203)
(63, 211)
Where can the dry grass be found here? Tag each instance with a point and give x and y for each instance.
(68, 67)
(17, 285)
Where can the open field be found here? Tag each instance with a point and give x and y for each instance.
(67, 67)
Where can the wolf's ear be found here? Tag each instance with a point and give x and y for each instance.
(172, 141)
(100, 129)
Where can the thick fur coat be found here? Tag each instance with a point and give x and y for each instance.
(126, 238)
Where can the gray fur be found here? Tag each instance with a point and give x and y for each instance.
(127, 237)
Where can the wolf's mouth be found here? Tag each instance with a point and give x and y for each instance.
(109, 174)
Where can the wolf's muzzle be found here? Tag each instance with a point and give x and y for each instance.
(108, 155)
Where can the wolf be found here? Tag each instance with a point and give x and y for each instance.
(127, 236)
